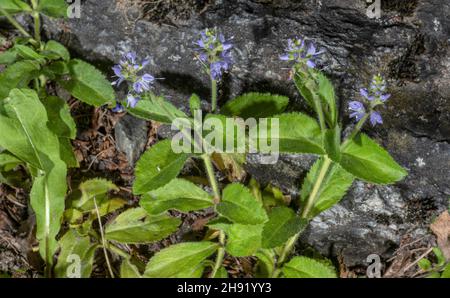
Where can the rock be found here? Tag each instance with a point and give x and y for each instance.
(409, 44)
(131, 137)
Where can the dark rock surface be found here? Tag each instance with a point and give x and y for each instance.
(409, 44)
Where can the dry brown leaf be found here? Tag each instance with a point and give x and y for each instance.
(441, 228)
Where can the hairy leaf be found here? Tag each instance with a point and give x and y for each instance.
(76, 257)
(239, 206)
(156, 109)
(17, 75)
(303, 267)
(54, 50)
(179, 258)
(137, 226)
(178, 194)
(368, 161)
(87, 84)
(243, 240)
(157, 167)
(283, 224)
(256, 105)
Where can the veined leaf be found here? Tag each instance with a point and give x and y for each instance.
(14, 6)
(53, 8)
(283, 224)
(192, 272)
(93, 188)
(17, 75)
(60, 119)
(8, 57)
(54, 50)
(179, 258)
(178, 194)
(333, 188)
(328, 98)
(256, 105)
(157, 167)
(8, 161)
(332, 143)
(26, 136)
(28, 53)
(298, 133)
(239, 206)
(137, 226)
(368, 161)
(76, 258)
(156, 109)
(303, 267)
(88, 84)
(243, 240)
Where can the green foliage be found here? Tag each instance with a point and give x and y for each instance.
(194, 103)
(129, 270)
(18, 75)
(239, 206)
(365, 159)
(283, 224)
(303, 267)
(256, 105)
(87, 84)
(178, 194)
(53, 8)
(157, 167)
(332, 189)
(14, 6)
(157, 109)
(179, 258)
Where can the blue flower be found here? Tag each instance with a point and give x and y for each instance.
(118, 108)
(358, 110)
(375, 118)
(376, 93)
(132, 100)
(143, 83)
(214, 52)
(296, 51)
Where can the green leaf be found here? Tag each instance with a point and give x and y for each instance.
(54, 50)
(17, 75)
(14, 6)
(87, 84)
(303, 267)
(93, 188)
(194, 103)
(332, 189)
(179, 258)
(24, 119)
(60, 119)
(76, 257)
(282, 225)
(221, 273)
(137, 226)
(178, 194)
(8, 57)
(192, 272)
(8, 161)
(368, 161)
(157, 167)
(67, 153)
(439, 256)
(129, 270)
(446, 272)
(328, 97)
(53, 8)
(424, 264)
(239, 206)
(332, 143)
(266, 263)
(156, 109)
(28, 53)
(256, 105)
(243, 240)
(298, 133)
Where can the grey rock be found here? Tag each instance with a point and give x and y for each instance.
(409, 44)
(131, 137)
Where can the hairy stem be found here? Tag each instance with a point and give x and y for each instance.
(104, 244)
(213, 94)
(220, 254)
(357, 129)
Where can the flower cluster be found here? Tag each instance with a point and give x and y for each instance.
(299, 52)
(214, 52)
(375, 95)
(128, 71)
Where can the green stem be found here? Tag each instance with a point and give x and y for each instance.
(14, 23)
(220, 254)
(37, 27)
(212, 178)
(357, 129)
(104, 243)
(213, 94)
(312, 197)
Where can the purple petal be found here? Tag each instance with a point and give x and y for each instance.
(385, 97)
(117, 70)
(132, 100)
(311, 50)
(311, 64)
(148, 78)
(364, 93)
(375, 118)
(118, 108)
(356, 106)
(285, 57)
